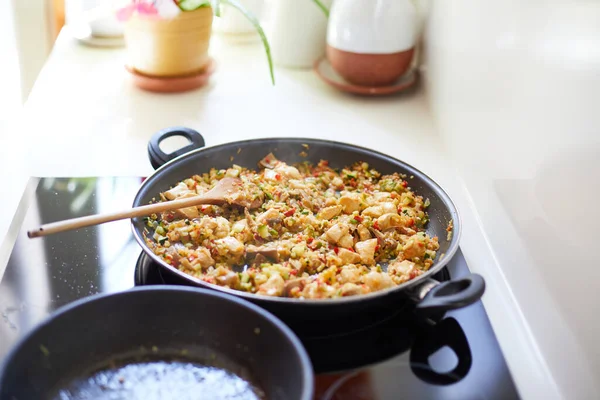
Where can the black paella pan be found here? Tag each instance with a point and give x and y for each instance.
(314, 317)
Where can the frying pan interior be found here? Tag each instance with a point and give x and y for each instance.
(186, 325)
(248, 153)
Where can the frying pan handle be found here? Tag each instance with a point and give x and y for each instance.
(159, 157)
(450, 295)
(429, 341)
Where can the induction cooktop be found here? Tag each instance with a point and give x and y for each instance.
(394, 356)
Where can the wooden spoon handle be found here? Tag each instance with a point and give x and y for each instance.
(141, 211)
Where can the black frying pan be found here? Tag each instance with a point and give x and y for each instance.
(155, 342)
(313, 317)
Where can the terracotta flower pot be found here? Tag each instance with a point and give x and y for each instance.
(169, 47)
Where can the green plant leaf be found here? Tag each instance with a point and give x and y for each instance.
(254, 21)
(191, 5)
(322, 6)
(217, 7)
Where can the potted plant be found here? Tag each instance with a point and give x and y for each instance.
(170, 38)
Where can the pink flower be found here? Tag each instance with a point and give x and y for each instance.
(125, 13)
(147, 9)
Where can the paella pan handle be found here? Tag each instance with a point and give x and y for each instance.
(433, 296)
(159, 157)
(448, 333)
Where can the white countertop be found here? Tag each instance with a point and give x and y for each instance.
(85, 118)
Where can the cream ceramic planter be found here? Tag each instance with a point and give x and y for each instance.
(169, 47)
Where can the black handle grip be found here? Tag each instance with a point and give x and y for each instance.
(453, 294)
(158, 157)
(447, 333)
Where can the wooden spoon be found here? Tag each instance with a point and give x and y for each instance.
(227, 190)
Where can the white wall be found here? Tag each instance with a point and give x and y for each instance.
(515, 88)
(10, 87)
(32, 28)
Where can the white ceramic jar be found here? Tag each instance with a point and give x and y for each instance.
(232, 21)
(296, 30)
(372, 42)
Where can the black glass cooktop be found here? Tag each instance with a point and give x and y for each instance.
(394, 356)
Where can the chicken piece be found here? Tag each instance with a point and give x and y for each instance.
(272, 175)
(348, 257)
(373, 211)
(351, 289)
(174, 253)
(346, 241)
(273, 286)
(389, 208)
(329, 212)
(337, 182)
(232, 172)
(204, 258)
(231, 245)
(207, 223)
(249, 195)
(226, 277)
(269, 252)
(270, 161)
(239, 226)
(390, 220)
(363, 232)
(401, 268)
(336, 232)
(296, 184)
(350, 202)
(381, 196)
(349, 273)
(331, 201)
(287, 171)
(293, 287)
(222, 228)
(178, 191)
(414, 248)
(188, 212)
(298, 266)
(366, 250)
(270, 214)
(317, 290)
(378, 281)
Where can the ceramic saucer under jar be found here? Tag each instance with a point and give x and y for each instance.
(326, 72)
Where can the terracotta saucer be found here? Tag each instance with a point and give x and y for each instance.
(326, 72)
(172, 84)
